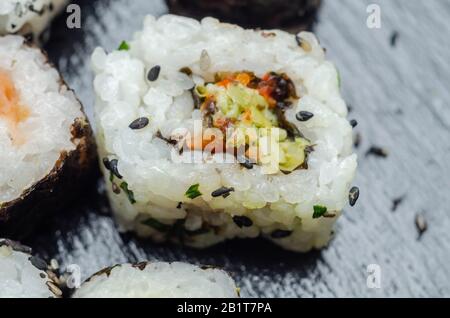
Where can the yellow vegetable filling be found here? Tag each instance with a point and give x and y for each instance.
(250, 111)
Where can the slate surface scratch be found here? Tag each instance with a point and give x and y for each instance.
(400, 98)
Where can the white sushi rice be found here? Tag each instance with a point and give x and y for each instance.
(159, 183)
(28, 16)
(158, 280)
(46, 132)
(19, 278)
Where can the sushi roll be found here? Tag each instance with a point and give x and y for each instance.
(45, 139)
(28, 17)
(269, 14)
(158, 280)
(23, 275)
(209, 132)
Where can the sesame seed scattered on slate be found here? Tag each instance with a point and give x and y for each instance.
(421, 224)
(396, 203)
(394, 38)
(377, 151)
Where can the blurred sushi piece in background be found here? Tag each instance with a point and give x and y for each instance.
(28, 17)
(45, 139)
(166, 103)
(292, 15)
(23, 275)
(158, 280)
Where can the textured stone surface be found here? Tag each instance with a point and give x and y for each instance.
(400, 97)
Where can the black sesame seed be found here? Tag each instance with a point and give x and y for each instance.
(153, 74)
(396, 203)
(139, 123)
(353, 196)
(354, 123)
(113, 165)
(180, 204)
(377, 151)
(242, 221)
(42, 275)
(304, 116)
(222, 192)
(279, 234)
(394, 38)
(39, 263)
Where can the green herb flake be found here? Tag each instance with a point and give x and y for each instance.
(193, 192)
(124, 46)
(319, 211)
(161, 227)
(111, 176)
(129, 193)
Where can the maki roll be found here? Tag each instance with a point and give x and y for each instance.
(23, 275)
(28, 18)
(45, 139)
(209, 132)
(269, 14)
(158, 280)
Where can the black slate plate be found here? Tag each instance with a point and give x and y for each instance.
(398, 89)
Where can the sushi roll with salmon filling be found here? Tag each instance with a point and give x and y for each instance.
(28, 17)
(158, 280)
(23, 275)
(209, 132)
(45, 139)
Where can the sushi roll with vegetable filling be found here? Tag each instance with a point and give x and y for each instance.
(158, 280)
(46, 144)
(28, 17)
(209, 132)
(23, 275)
